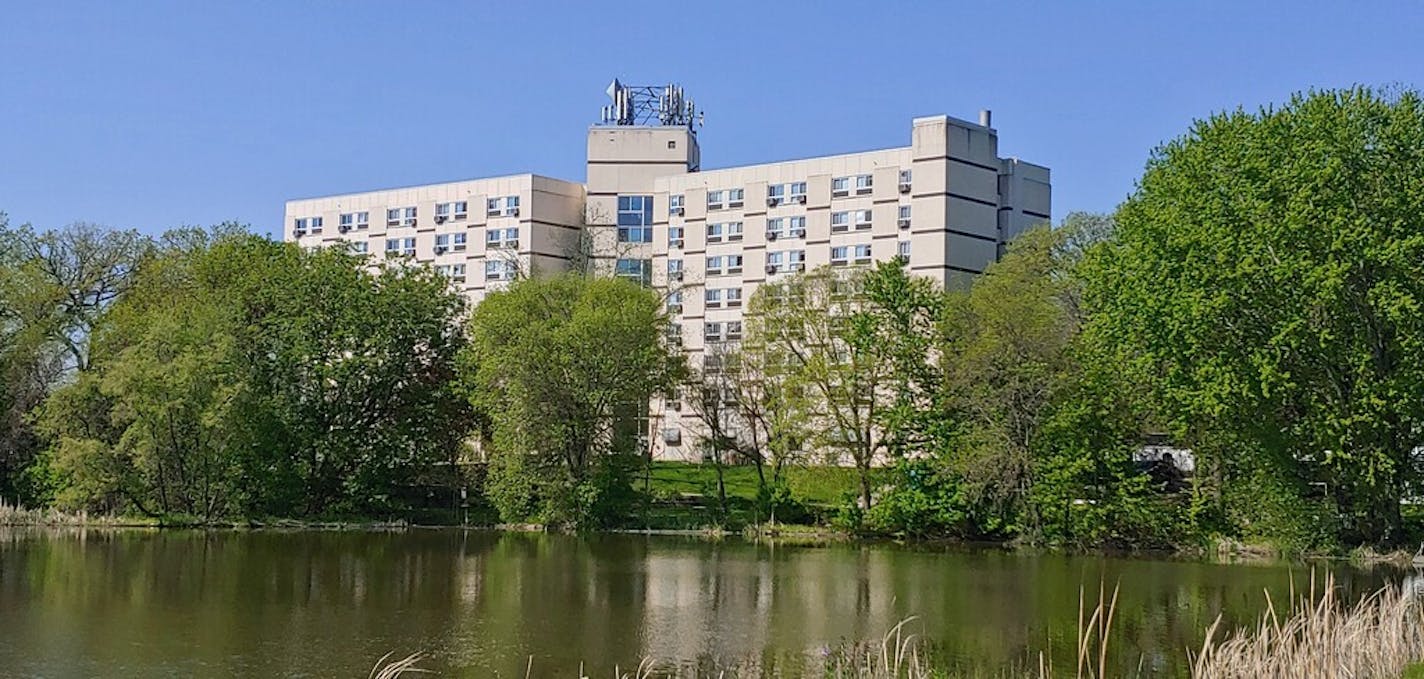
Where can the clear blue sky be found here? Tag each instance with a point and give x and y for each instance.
(155, 114)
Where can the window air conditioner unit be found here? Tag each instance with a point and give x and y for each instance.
(440, 219)
(904, 223)
(299, 232)
(674, 275)
(343, 228)
(771, 235)
(770, 269)
(773, 202)
(514, 212)
(678, 211)
(441, 250)
(801, 199)
(904, 188)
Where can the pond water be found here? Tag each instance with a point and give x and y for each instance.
(136, 603)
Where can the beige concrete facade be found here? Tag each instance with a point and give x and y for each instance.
(946, 202)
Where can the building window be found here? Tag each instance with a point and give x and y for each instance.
(353, 220)
(775, 194)
(715, 200)
(840, 255)
(904, 219)
(400, 247)
(712, 332)
(502, 238)
(904, 181)
(358, 248)
(774, 228)
(734, 198)
(639, 271)
(797, 192)
(796, 228)
(499, 270)
(635, 219)
(674, 302)
(732, 297)
(862, 220)
(446, 242)
(840, 187)
(719, 264)
(455, 272)
(502, 206)
(675, 236)
(315, 225)
(733, 330)
(786, 260)
(455, 210)
(675, 206)
(731, 231)
(401, 216)
(864, 184)
(300, 225)
(674, 269)
(862, 254)
(903, 249)
(840, 222)
(712, 297)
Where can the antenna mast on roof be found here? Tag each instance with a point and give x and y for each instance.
(652, 105)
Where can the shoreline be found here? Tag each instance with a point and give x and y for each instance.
(1222, 550)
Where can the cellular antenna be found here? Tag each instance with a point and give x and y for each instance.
(650, 105)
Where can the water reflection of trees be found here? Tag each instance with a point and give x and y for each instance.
(326, 603)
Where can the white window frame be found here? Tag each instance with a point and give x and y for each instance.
(401, 216)
(714, 232)
(676, 236)
(775, 194)
(736, 197)
(734, 264)
(458, 241)
(714, 264)
(796, 227)
(715, 200)
(732, 297)
(840, 222)
(796, 192)
(840, 255)
(863, 219)
(674, 269)
(773, 262)
(843, 183)
(862, 253)
(674, 301)
(903, 220)
(733, 231)
(902, 249)
(906, 177)
(675, 205)
(359, 247)
(864, 184)
(775, 227)
(712, 298)
(712, 331)
(732, 330)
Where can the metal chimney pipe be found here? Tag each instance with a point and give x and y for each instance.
(985, 116)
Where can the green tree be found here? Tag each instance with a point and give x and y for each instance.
(564, 367)
(54, 286)
(1267, 275)
(813, 323)
(243, 376)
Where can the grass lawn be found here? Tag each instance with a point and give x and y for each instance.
(1415, 671)
(689, 493)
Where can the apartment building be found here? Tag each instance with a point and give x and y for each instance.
(946, 203)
